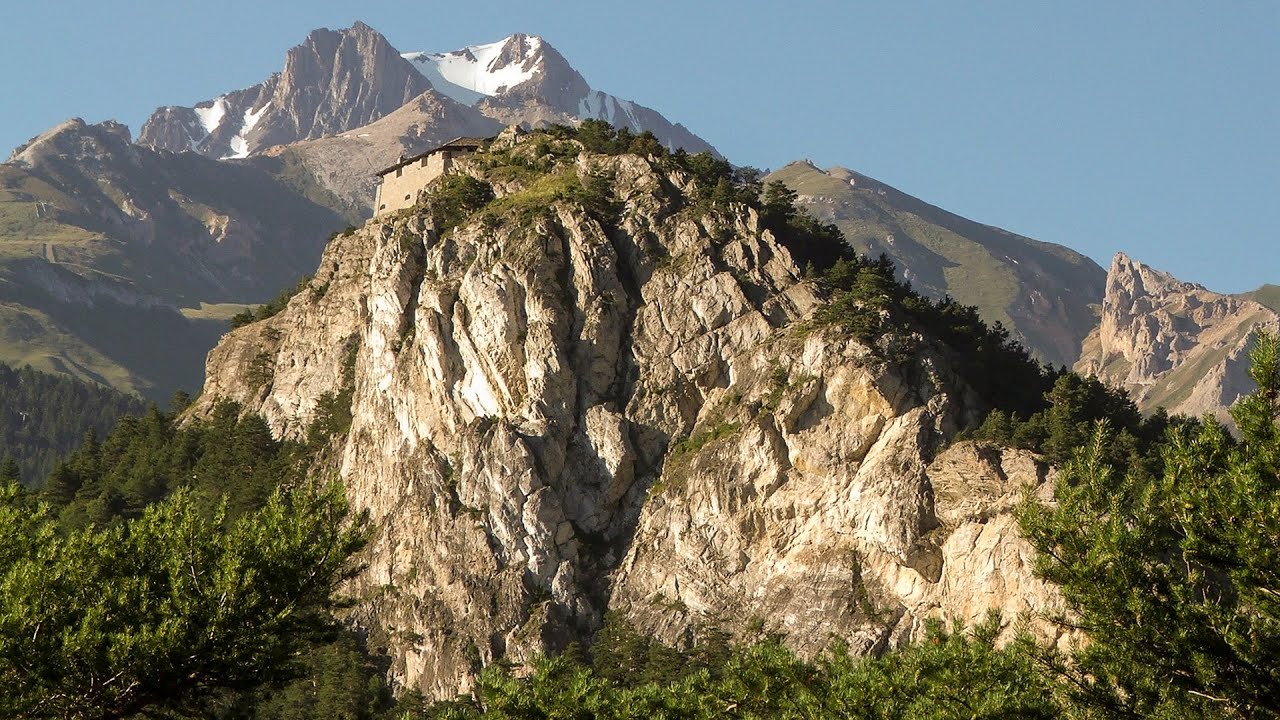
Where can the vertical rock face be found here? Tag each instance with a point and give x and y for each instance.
(556, 414)
(1173, 344)
(332, 82)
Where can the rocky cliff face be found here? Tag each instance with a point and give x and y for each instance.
(1043, 293)
(333, 82)
(557, 413)
(1173, 344)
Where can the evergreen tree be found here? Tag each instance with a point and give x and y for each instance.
(165, 612)
(1174, 575)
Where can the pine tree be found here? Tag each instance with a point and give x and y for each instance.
(165, 612)
(1174, 576)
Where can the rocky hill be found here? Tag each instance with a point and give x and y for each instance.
(105, 242)
(1268, 295)
(1173, 344)
(1043, 293)
(596, 391)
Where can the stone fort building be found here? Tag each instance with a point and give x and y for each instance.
(401, 183)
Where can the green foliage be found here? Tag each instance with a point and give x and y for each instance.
(950, 675)
(44, 416)
(272, 308)
(167, 611)
(599, 136)
(454, 197)
(1174, 574)
(147, 458)
(868, 302)
(1073, 406)
(535, 200)
(338, 679)
(697, 441)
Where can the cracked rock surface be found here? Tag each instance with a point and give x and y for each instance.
(554, 417)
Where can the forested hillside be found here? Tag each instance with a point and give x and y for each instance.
(45, 416)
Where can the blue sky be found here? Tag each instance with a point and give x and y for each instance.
(1147, 127)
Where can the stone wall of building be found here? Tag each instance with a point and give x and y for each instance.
(400, 187)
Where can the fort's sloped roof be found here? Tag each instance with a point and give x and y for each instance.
(460, 143)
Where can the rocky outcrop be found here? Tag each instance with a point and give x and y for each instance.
(1173, 344)
(333, 82)
(557, 413)
(1044, 294)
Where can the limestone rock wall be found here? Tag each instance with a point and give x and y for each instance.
(555, 416)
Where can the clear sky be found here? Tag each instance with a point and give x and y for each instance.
(1147, 127)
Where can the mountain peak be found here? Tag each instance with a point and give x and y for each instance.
(522, 78)
(1172, 343)
(334, 81)
(478, 71)
(1128, 272)
(72, 139)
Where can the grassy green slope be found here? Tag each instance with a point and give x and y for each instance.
(1042, 292)
(1268, 295)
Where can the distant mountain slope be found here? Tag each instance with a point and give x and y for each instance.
(102, 242)
(344, 165)
(1268, 295)
(43, 417)
(1042, 292)
(1173, 344)
(522, 78)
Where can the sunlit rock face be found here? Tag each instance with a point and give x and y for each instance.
(556, 415)
(1173, 344)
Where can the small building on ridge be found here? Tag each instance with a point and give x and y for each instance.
(400, 184)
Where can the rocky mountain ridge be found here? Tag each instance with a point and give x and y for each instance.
(1173, 344)
(339, 82)
(333, 82)
(523, 79)
(561, 408)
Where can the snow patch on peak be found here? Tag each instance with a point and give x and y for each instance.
(478, 71)
(210, 117)
(240, 144)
